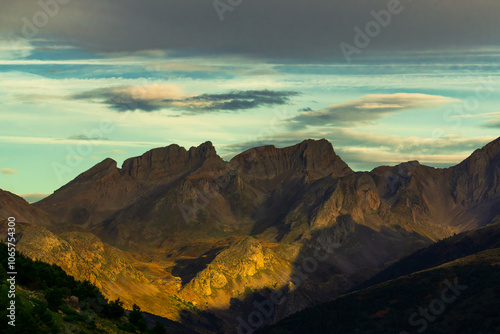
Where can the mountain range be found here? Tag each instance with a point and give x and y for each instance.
(191, 237)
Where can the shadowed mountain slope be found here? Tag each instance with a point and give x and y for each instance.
(208, 233)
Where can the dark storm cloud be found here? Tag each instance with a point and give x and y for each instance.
(152, 98)
(284, 30)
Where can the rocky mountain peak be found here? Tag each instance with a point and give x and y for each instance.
(101, 170)
(316, 158)
(492, 149)
(478, 176)
(168, 160)
(205, 150)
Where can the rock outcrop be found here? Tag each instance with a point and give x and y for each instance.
(211, 234)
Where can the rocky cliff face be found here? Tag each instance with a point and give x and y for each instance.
(210, 234)
(116, 273)
(170, 192)
(313, 159)
(171, 162)
(476, 181)
(96, 198)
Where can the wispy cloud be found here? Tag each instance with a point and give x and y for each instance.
(493, 119)
(492, 124)
(66, 141)
(259, 72)
(185, 67)
(164, 96)
(84, 137)
(116, 151)
(8, 171)
(11, 49)
(367, 109)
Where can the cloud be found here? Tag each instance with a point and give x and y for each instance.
(259, 28)
(145, 98)
(493, 119)
(14, 48)
(366, 109)
(492, 124)
(65, 141)
(163, 96)
(116, 151)
(239, 100)
(84, 137)
(184, 67)
(259, 72)
(34, 197)
(8, 171)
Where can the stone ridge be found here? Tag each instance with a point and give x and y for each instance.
(168, 159)
(106, 167)
(315, 157)
(152, 163)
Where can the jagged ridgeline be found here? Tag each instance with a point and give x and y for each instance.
(199, 240)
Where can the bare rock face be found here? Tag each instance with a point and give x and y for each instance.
(116, 273)
(477, 178)
(315, 159)
(99, 193)
(168, 192)
(73, 302)
(247, 264)
(248, 223)
(172, 192)
(169, 161)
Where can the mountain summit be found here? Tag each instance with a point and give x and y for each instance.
(315, 159)
(207, 231)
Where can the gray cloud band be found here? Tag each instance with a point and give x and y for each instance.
(294, 30)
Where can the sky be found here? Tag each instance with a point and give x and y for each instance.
(384, 81)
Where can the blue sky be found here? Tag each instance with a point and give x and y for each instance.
(71, 97)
